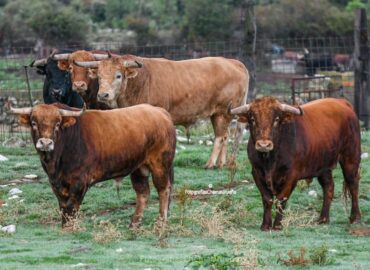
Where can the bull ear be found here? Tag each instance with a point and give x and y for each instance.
(130, 73)
(68, 121)
(93, 73)
(24, 119)
(63, 64)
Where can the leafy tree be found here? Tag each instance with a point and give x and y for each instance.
(207, 20)
(60, 25)
(300, 18)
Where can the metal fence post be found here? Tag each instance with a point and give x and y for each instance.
(361, 59)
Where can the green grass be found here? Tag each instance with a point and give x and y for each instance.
(39, 242)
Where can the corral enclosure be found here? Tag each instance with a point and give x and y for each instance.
(221, 228)
(281, 69)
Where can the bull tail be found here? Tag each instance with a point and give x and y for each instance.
(118, 184)
(345, 192)
(238, 132)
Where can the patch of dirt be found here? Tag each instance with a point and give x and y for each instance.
(362, 231)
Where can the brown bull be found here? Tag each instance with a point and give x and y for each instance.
(188, 90)
(288, 144)
(78, 151)
(86, 87)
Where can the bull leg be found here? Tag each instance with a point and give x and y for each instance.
(70, 200)
(327, 184)
(282, 197)
(221, 161)
(267, 201)
(350, 171)
(162, 182)
(220, 125)
(139, 180)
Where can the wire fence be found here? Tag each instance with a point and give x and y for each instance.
(277, 63)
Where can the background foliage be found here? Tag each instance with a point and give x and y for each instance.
(65, 22)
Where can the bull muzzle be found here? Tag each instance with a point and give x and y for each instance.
(103, 96)
(264, 146)
(57, 93)
(79, 86)
(45, 145)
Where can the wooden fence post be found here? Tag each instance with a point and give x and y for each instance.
(361, 59)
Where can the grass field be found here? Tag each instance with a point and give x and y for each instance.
(221, 231)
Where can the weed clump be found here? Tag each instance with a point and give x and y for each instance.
(221, 261)
(105, 232)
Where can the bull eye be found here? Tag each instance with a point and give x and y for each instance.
(118, 76)
(253, 121)
(57, 125)
(34, 124)
(276, 121)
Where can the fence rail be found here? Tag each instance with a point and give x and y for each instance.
(277, 62)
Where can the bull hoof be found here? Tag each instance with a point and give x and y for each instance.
(134, 225)
(323, 220)
(160, 226)
(277, 227)
(209, 166)
(265, 228)
(355, 219)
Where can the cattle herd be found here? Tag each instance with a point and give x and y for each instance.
(107, 116)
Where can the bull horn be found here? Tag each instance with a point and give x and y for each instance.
(73, 113)
(61, 56)
(132, 64)
(99, 57)
(40, 62)
(291, 109)
(242, 109)
(87, 64)
(21, 110)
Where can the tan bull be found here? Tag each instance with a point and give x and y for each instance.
(189, 90)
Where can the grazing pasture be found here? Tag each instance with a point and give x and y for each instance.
(219, 230)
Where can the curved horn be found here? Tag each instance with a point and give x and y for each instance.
(132, 64)
(53, 53)
(99, 57)
(40, 62)
(291, 109)
(73, 113)
(87, 64)
(21, 110)
(61, 56)
(242, 109)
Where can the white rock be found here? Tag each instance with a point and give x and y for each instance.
(9, 229)
(15, 191)
(5, 204)
(182, 147)
(13, 197)
(2, 158)
(364, 155)
(119, 250)
(30, 176)
(182, 139)
(200, 142)
(333, 250)
(210, 186)
(208, 143)
(3, 186)
(312, 193)
(79, 265)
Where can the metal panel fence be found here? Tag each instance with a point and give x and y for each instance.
(277, 62)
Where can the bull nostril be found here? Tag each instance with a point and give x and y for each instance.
(103, 95)
(264, 145)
